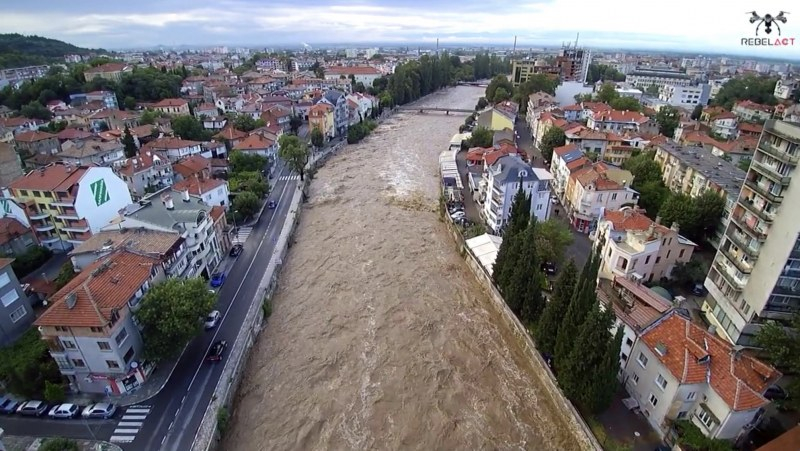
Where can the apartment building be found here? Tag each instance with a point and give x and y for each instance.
(192, 219)
(566, 160)
(174, 148)
(678, 371)
(751, 111)
(755, 276)
(16, 312)
(31, 143)
(594, 189)
(638, 247)
(361, 74)
(693, 170)
(538, 102)
(89, 327)
(147, 172)
(725, 124)
(573, 63)
(593, 141)
(66, 204)
(618, 121)
(108, 98)
(109, 71)
(785, 87)
(177, 107)
(338, 102)
(503, 179)
(644, 76)
(684, 96)
(522, 70)
(321, 117)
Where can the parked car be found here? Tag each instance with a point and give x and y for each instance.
(102, 410)
(32, 408)
(549, 268)
(217, 279)
(458, 215)
(698, 289)
(64, 411)
(213, 319)
(8, 406)
(236, 250)
(216, 351)
(775, 393)
(272, 205)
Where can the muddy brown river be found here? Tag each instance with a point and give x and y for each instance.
(380, 337)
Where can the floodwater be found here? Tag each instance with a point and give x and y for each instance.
(380, 337)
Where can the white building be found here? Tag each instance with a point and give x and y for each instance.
(503, 180)
(566, 159)
(644, 77)
(594, 189)
(364, 74)
(174, 148)
(685, 96)
(784, 88)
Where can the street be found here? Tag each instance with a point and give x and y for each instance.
(169, 420)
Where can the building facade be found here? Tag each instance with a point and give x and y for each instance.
(685, 96)
(503, 179)
(16, 312)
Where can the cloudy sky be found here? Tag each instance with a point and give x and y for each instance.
(695, 25)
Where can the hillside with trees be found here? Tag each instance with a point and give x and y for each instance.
(17, 50)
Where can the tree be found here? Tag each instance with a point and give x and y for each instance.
(295, 122)
(482, 103)
(681, 209)
(317, 138)
(36, 110)
(750, 87)
(581, 303)
(129, 143)
(524, 293)
(129, 103)
(54, 393)
(507, 255)
(696, 112)
(171, 315)
(668, 120)
(59, 444)
(65, 274)
(552, 138)
(686, 274)
(607, 93)
(602, 72)
(652, 196)
(534, 83)
(294, 152)
(501, 95)
(500, 81)
(190, 128)
(148, 117)
(246, 162)
(481, 137)
(781, 344)
(246, 203)
(246, 123)
(552, 239)
(626, 104)
(546, 330)
(710, 207)
(250, 181)
(652, 90)
(580, 98)
(26, 366)
(744, 164)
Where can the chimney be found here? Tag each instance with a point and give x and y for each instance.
(185, 196)
(676, 227)
(658, 220)
(167, 199)
(627, 213)
(651, 229)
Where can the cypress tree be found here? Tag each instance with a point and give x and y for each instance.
(523, 294)
(605, 382)
(581, 303)
(547, 329)
(508, 254)
(129, 143)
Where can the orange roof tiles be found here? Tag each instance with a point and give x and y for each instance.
(54, 177)
(591, 174)
(560, 151)
(621, 116)
(354, 70)
(750, 105)
(197, 186)
(229, 133)
(108, 67)
(191, 165)
(629, 219)
(101, 288)
(748, 127)
(217, 212)
(170, 143)
(33, 136)
(738, 378)
(255, 142)
(170, 103)
(10, 229)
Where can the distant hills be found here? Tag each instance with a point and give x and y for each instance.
(17, 50)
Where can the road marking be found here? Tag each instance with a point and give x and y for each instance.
(137, 424)
(122, 438)
(290, 177)
(139, 411)
(134, 417)
(139, 406)
(125, 431)
(242, 234)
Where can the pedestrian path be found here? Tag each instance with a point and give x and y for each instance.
(130, 424)
(290, 177)
(241, 236)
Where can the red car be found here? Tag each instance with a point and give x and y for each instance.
(216, 351)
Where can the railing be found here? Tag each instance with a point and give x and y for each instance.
(764, 192)
(770, 172)
(751, 207)
(739, 221)
(777, 153)
(736, 260)
(742, 244)
(723, 271)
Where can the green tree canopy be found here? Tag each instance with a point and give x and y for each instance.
(602, 72)
(499, 81)
(171, 314)
(148, 117)
(607, 93)
(295, 122)
(552, 138)
(552, 240)
(582, 302)
(294, 152)
(749, 87)
(626, 104)
(190, 128)
(317, 138)
(679, 208)
(36, 110)
(696, 112)
(535, 83)
(668, 118)
(129, 143)
(246, 123)
(246, 204)
(523, 294)
(546, 329)
(481, 137)
(710, 208)
(246, 162)
(508, 254)
(26, 366)
(501, 95)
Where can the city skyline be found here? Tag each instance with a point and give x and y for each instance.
(689, 26)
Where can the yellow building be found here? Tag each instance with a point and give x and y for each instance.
(500, 117)
(320, 116)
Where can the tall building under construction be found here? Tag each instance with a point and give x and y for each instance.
(571, 64)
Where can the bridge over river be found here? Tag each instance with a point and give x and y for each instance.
(426, 109)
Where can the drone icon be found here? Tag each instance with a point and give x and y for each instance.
(768, 20)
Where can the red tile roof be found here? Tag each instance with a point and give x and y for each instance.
(73, 133)
(191, 165)
(33, 136)
(106, 68)
(574, 107)
(738, 378)
(749, 127)
(560, 151)
(54, 177)
(197, 186)
(354, 70)
(254, 142)
(750, 105)
(621, 116)
(629, 219)
(169, 143)
(230, 134)
(10, 229)
(170, 103)
(101, 288)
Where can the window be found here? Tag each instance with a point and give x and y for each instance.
(629, 342)
(668, 252)
(658, 260)
(624, 357)
(61, 329)
(9, 298)
(121, 336)
(103, 345)
(69, 344)
(96, 329)
(635, 378)
(691, 395)
(112, 364)
(706, 418)
(661, 382)
(681, 414)
(128, 355)
(642, 360)
(4, 280)
(647, 260)
(37, 194)
(614, 196)
(18, 314)
(653, 400)
(681, 254)
(78, 363)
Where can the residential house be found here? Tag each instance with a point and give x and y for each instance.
(206, 110)
(10, 164)
(679, 371)
(89, 327)
(725, 125)
(503, 179)
(258, 144)
(21, 124)
(591, 190)
(566, 160)
(278, 115)
(16, 312)
(174, 148)
(177, 107)
(543, 123)
(499, 117)
(73, 134)
(366, 104)
(361, 74)
(65, 204)
(108, 99)
(101, 153)
(573, 113)
(321, 117)
(618, 155)
(618, 121)
(191, 218)
(634, 245)
(338, 101)
(750, 130)
(737, 150)
(109, 71)
(15, 237)
(209, 191)
(635, 307)
(230, 136)
(538, 102)
(751, 111)
(190, 167)
(302, 108)
(145, 173)
(214, 150)
(32, 143)
(593, 142)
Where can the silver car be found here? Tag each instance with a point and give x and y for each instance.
(213, 319)
(64, 411)
(100, 410)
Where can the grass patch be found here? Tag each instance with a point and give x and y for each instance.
(606, 441)
(223, 420)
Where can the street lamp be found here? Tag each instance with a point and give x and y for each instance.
(235, 230)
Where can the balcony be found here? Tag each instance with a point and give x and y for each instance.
(778, 154)
(736, 259)
(733, 281)
(760, 214)
(44, 227)
(64, 202)
(743, 243)
(68, 214)
(763, 191)
(770, 171)
(740, 221)
(37, 215)
(79, 226)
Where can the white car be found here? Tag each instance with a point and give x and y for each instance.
(64, 411)
(213, 319)
(100, 410)
(458, 215)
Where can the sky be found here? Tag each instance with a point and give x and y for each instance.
(712, 26)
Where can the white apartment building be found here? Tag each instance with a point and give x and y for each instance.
(147, 172)
(618, 121)
(684, 96)
(678, 371)
(566, 160)
(785, 87)
(174, 148)
(594, 189)
(89, 327)
(644, 77)
(503, 180)
(635, 246)
(755, 276)
(725, 125)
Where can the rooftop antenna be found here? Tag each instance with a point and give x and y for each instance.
(576, 40)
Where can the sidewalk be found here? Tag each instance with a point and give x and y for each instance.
(23, 443)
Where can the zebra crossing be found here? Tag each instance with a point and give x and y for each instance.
(241, 236)
(290, 177)
(130, 424)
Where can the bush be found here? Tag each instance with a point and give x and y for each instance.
(66, 274)
(59, 444)
(267, 307)
(360, 131)
(690, 436)
(54, 393)
(223, 420)
(26, 366)
(31, 261)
